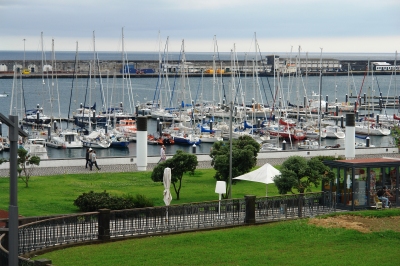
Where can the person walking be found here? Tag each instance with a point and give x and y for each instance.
(94, 161)
(88, 150)
(162, 154)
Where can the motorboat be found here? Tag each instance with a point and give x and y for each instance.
(96, 139)
(35, 147)
(65, 140)
(269, 147)
(309, 145)
(164, 139)
(334, 132)
(127, 127)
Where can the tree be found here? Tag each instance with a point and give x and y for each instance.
(24, 159)
(395, 132)
(180, 163)
(301, 174)
(244, 157)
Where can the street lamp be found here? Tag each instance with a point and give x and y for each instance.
(320, 99)
(24, 54)
(230, 150)
(14, 131)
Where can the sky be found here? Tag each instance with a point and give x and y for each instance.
(336, 26)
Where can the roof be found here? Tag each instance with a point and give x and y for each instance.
(367, 162)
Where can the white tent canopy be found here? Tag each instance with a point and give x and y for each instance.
(265, 174)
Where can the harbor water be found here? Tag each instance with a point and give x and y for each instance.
(61, 97)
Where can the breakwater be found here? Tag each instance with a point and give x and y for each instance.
(194, 68)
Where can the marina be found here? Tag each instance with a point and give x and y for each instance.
(101, 101)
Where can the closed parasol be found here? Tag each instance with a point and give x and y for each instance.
(167, 184)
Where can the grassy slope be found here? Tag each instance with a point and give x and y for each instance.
(284, 243)
(47, 195)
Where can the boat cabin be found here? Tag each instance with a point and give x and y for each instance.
(358, 180)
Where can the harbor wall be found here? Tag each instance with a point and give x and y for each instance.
(149, 68)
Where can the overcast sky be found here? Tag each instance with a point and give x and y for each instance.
(365, 26)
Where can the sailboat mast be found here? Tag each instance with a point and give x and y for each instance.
(395, 82)
(298, 84)
(90, 95)
(124, 68)
(73, 80)
(320, 99)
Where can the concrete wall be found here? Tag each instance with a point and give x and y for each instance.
(204, 159)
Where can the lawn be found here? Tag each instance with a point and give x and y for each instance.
(285, 243)
(50, 195)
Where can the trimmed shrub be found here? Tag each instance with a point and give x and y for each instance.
(93, 201)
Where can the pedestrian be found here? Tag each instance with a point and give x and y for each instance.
(88, 157)
(94, 161)
(162, 154)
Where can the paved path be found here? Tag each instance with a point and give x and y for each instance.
(131, 167)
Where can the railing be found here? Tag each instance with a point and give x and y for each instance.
(294, 206)
(106, 224)
(177, 218)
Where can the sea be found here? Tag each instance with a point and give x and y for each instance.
(60, 97)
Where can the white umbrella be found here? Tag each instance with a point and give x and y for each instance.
(265, 174)
(167, 193)
(167, 184)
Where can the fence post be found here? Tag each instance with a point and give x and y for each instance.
(104, 224)
(300, 206)
(250, 209)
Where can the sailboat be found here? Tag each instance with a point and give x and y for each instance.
(36, 116)
(116, 110)
(61, 138)
(96, 138)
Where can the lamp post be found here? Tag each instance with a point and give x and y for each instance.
(320, 99)
(24, 54)
(230, 150)
(14, 131)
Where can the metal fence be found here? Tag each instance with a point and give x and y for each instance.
(294, 206)
(106, 224)
(173, 218)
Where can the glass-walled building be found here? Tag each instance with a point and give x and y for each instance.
(358, 181)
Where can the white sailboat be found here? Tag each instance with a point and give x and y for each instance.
(37, 116)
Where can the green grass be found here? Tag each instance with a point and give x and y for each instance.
(283, 243)
(49, 195)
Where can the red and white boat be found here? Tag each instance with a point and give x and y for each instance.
(287, 122)
(288, 133)
(127, 126)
